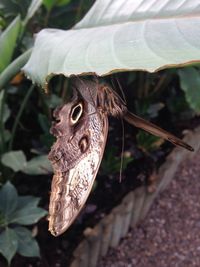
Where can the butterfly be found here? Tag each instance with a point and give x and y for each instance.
(81, 129)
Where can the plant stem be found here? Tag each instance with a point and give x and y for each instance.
(46, 18)
(23, 104)
(13, 68)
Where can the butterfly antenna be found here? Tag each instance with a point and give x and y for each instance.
(113, 79)
(120, 88)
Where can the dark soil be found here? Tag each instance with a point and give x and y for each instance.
(169, 236)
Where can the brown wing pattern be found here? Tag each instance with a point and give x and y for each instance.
(75, 156)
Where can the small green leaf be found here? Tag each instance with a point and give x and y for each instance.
(8, 244)
(27, 215)
(148, 142)
(6, 135)
(8, 42)
(190, 83)
(8, 200)
(49, 4)
(112, 164)
(27, 202)
(6, 113)
(27, 211)
(38, 166)
(27, 245)
(15, 160)
(63, 2)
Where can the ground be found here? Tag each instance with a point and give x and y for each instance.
(170, 234)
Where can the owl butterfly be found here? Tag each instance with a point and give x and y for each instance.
(81, 128)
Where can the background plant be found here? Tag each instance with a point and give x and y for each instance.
(15, 213)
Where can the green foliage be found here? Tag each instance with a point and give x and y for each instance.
(38, 165)
(111, 163)
(190, 83)
(11, 8)
(148, 142)
(16, 211)
(8, 42)
(16, 160)
(27, 245)
(25, 8)
(49, 4)
(8, 244)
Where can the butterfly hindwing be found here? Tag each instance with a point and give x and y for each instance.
(81, 133)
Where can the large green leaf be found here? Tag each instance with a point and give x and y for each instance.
(27, 245)
(8, 42)
(120, 35)
(8, 200)
(8, 244)
(15, 160)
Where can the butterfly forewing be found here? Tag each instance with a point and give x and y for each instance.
(76, 157)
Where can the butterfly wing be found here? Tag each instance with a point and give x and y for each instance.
(155, 130)
(75, 156)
